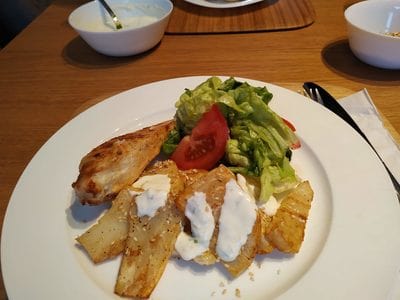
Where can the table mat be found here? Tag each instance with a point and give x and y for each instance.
(266, 15)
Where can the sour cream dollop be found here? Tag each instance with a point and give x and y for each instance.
(238, 215)
(202, 227)
(155, 194)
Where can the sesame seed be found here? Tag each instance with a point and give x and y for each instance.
(237, 293)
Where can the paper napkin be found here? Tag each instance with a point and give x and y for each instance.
(362, 109)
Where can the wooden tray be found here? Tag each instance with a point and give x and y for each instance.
(261, 16)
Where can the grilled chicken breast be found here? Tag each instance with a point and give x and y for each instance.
(118, 162)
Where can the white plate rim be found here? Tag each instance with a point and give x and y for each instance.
(211, 4)
(332, 261)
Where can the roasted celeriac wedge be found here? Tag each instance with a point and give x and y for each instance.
(285, 231)
(106, 239)
(147, 243)
(151, 240)
(247, 253)
(264, 245)
(213, 185)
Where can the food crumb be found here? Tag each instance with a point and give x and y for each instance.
(221, 284)
(237, 293)
(394, 34)
(251, 274)
(212, 294)
(224, 292)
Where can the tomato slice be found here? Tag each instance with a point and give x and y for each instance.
(206, 144)
(289, 124)
(292, 128)
(296, 145)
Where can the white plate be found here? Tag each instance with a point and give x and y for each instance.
(352, 238)
(222, 3)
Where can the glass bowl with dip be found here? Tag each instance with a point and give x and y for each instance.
(143, 25)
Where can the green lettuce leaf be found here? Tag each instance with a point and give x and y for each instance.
(259, 142)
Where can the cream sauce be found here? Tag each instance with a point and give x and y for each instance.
(127, 23)
(245, 186)
(271, 206)
(238, 215)
(130, 15)
(157, 181)
(202, 227)
(155, 194)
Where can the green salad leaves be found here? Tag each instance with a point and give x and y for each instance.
(260, 141)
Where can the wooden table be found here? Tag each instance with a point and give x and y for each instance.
(48, 74)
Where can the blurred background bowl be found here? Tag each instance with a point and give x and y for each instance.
(143, 25)
(372, 26)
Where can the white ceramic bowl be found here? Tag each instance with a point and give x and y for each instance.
(369, 23)
(143, 25)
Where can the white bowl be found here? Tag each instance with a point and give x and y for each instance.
(369, 24)
(143, 25)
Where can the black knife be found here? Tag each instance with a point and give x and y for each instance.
(329, 102)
